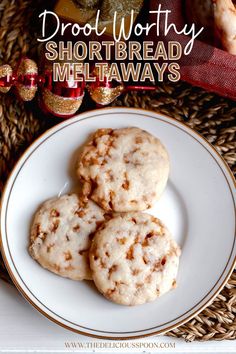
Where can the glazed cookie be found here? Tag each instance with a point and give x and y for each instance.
(124, 169)
(134, 259)
(61, 235)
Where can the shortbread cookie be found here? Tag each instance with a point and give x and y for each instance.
(225, 23)
(124, 169)
(61, 235)
(218, 18)
(134, 259)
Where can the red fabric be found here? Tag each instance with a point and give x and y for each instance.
(206, 66)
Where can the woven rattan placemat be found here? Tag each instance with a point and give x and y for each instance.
(212, 116)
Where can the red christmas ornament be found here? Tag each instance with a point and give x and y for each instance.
(63, 99)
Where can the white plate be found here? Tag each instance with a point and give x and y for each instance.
(198, 206)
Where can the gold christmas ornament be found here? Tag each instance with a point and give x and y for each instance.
(27, 73)
(61, 106)
(5, 78)
(106, 91)
(90, 4)
(123, 8)
(105, 95)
